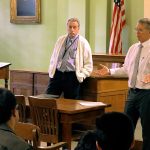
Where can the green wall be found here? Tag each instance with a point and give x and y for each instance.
(28, 47)
(135, 10)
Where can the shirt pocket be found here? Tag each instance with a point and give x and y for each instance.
(72, 53)
(146, 65)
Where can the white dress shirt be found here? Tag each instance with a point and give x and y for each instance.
(144, 65)
(83, 60)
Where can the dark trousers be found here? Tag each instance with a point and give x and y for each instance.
(138, 105)
(65, 82)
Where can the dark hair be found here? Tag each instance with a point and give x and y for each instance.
(115, 131)
(7, 104)
(87, 141)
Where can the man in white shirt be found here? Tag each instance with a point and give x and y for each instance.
(138, 72)
(70, 63)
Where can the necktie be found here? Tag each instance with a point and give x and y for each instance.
(67, 46)
(70, 42)
(135, 71)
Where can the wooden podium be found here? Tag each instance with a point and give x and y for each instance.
(4, 72)
(108, 89)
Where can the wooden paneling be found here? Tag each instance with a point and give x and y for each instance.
(115, 98)
(109, 90)
(40, 82)
(28, 83)
(21, 82)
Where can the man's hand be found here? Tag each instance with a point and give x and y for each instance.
(146, 78)
(102, 71)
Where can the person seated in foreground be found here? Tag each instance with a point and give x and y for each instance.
(8, 118)
(3, 148)
(87, 141)
(114, 131)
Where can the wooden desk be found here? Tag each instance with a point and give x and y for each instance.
(4, 72)
(71, 111)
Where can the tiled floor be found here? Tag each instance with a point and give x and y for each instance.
(138, 131)
(73, 145)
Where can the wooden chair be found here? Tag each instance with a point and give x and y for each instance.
(57, 146)
(44, 114)
(31, 133)
(22, 107)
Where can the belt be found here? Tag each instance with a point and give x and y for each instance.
(66, 72)
(138, 90)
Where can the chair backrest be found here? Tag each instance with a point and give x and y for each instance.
(22, 107)
(29, 132)
(44, 114)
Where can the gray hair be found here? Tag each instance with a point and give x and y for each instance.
(74, 20)
(145, 22)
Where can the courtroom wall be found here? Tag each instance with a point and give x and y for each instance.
(29, 47)
(146, 8)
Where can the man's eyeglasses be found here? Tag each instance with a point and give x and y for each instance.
(139, 30)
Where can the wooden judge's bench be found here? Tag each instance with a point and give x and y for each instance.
(109, 89)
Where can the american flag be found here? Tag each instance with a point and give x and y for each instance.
(118, 22)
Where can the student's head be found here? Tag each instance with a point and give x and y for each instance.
(73, 26)
(7, 106)
(115, 132)
(87, 141)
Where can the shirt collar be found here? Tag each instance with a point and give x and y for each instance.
(5, 127)
(72, 38)
(145, 43)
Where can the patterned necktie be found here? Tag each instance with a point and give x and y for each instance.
(135, 71)
(67, 46)
(69, 43)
